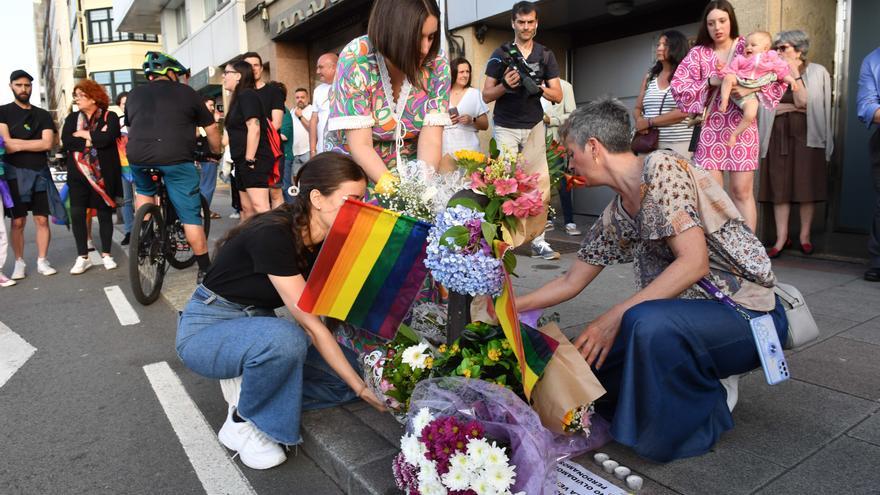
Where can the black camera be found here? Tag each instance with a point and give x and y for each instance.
(512, 57)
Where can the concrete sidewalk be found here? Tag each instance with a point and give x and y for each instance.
(818, 433)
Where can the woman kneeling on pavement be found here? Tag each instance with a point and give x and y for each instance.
(229, 327)
(662, 353)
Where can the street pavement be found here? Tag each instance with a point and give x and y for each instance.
(81, 415)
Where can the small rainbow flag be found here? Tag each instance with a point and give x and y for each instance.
(370, 268)
(533, 349)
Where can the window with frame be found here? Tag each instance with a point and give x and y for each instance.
(118, 81)
(100, 29)
(181, 24)
(213, 6)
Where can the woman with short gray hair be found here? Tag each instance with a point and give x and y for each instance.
(796, 142)
(668, 354)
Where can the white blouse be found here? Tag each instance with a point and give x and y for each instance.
(460, 136)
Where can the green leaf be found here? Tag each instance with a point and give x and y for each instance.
(492, 210)
(489, 231)
(509, 261)
(453, 236)
(493, 148)
(466, 202)
(405, 332)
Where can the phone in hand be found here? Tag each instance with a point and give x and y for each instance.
(453, 112)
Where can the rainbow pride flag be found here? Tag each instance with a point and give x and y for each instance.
(370, 268)
(533, 349)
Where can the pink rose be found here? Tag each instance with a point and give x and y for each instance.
(503, 187)
(527, 182)
(385, 386)
(477, 181)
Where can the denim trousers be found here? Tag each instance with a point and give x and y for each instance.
(282, 374)
(127, 203)
(291, 167)
(874, 234)
(662, 374)
(208, 180)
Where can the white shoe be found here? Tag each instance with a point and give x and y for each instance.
(90, 245)
(549, 226)
(6, 282)
(81, 265)
(109, 263)
(256, 450)
(44, 268)
(235, 214)
(18, 271)
(543, 250)
(572, 229)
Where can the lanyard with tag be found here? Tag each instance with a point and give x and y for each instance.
(764, 332)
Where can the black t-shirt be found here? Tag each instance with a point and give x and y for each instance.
(246, 105)
(162, 117)
(516, 109)
(26, 124)
(240, 271)
(271, 99)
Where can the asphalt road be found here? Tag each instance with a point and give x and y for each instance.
(81, 415)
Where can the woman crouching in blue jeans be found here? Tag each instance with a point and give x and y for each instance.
(229, 328)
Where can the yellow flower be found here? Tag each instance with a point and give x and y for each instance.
(568, 417)
(505, 344)
(454, 349)
(467, 373)
(429, 361)
(442, 349)
(494, 354)
(468, 155)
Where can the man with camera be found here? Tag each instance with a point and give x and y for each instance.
(517, 75)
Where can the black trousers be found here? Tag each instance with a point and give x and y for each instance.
(874, 237)
(83, 197)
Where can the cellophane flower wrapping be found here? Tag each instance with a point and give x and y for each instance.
(507, 419)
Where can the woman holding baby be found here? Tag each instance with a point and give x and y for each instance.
(796, 143)
(696, 86)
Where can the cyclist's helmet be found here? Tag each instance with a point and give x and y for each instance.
(158, 64)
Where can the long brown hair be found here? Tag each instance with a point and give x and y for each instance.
(395, 30)
(247, 80)
(703, 36)
(325, 172)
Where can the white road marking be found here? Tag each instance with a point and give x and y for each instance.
(124, 311)
(14, 352)
(217, 472)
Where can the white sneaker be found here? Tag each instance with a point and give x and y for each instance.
(572, 229)
(18, 271)
(549, 226)
(6, 282)
(44, 268)
(235, 214)
(90, 244)
(81, 265)
(256, 450)
(109, 263)
(543, 250)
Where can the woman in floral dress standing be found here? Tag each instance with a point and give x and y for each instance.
(695, 85)
(390, 98)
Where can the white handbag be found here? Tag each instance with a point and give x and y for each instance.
(802, 328)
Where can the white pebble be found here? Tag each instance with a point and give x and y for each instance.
(621, 472)
(609, 465)
(634, 482)
(600, 458)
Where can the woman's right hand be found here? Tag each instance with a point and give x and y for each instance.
(642, 125)
(370, 398)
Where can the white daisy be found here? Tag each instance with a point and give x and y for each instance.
(421, 420)
(415, 356)
(460, 460)
(501, 477)
(457, 478)
(496, 456)
(432, 488)
(477, 449)
(412, 448)
(483, 486)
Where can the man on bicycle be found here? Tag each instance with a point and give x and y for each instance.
(162, 119)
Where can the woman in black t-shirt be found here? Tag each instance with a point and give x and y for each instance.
(229, 329)
(249, 145)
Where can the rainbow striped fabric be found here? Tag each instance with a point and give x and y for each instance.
(370, 268)
(533, 349)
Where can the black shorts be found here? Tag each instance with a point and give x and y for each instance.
(253, 178)
(39, 203)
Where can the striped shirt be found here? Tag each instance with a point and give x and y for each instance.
(651, 108)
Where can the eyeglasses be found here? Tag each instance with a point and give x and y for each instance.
(229, 72)
(77, 96)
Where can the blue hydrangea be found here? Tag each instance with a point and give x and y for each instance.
(475, 274)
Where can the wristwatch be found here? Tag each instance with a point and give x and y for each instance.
(250, 163)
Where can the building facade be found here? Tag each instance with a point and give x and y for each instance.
(54, 20)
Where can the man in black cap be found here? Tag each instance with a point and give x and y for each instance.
(28, 133)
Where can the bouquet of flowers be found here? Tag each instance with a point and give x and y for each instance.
(482, 351)
(556, 162)
(445, 453)
(459, 252)
(421, 191)
(512, 193)
(393, 371)
(578, 420)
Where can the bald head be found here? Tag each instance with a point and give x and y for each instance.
(326, 69)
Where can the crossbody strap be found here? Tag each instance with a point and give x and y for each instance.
(715, 292)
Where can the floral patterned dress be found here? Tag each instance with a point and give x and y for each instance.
(361, 98)
(691, 90)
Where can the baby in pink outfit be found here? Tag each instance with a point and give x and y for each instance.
(760, 66)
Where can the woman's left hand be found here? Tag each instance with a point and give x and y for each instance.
(595, 342)
(642, 124)
(465, 119)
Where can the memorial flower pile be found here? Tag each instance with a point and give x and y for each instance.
(393, 371)
(481, 352)
(578, 420)
(445, 454)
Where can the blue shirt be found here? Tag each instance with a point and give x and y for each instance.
(868, 100)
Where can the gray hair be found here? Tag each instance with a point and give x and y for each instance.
(605, 119)
(796, 38)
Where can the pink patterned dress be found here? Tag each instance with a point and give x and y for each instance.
(690, 88)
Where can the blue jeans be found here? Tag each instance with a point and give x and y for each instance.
(662, 374)
(291, 167)
(565, 199)
(127, 203)
(208, 180)
(281, 373)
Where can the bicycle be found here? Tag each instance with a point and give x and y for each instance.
(157, 242)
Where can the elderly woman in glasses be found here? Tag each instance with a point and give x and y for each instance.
(796, 142)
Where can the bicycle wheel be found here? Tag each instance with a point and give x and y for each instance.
(146, 262)
(180, 254)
